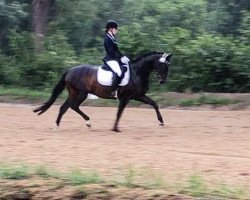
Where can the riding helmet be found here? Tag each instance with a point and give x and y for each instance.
(111, 24)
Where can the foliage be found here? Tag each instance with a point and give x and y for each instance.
(13, 15)
(216, 65)
(209, 39)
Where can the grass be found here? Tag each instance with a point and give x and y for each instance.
(143, 178)
(207, 99)
(196, 186)
(78, 177)
(130, 178)
(224, 191)
(163, 99)
(23, 93)
(14, 172)
(44, 172)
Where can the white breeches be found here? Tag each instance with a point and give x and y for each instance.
(114, 65)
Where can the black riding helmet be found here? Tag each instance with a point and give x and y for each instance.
(111, 24)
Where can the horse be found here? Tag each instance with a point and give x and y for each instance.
(82, 80)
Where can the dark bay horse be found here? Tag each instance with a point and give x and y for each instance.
(81, 80)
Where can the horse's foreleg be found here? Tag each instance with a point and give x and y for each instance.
(122, 105)
(145, 99)
(75, 106)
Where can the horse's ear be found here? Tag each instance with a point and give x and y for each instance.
(169, 56)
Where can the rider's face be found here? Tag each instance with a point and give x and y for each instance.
(114, 31)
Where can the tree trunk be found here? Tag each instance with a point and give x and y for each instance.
(40, 16)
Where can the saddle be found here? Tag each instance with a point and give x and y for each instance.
(105, 75)
(106, 67)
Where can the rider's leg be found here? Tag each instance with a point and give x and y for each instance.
(114, 65)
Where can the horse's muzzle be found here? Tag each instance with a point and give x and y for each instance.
(162, 81)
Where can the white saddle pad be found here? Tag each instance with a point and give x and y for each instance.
(105, 77)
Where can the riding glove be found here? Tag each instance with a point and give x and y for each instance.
(125, 60)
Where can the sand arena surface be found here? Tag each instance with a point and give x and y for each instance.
(214, 144)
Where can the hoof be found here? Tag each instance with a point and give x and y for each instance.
(56, 127)
(161, 124)
(116, 130)
(88, 123)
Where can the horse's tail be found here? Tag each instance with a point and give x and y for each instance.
(56, 92)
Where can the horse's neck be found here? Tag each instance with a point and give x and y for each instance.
(140, 74)
(143, 69)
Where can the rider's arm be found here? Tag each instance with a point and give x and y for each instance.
(112, 49)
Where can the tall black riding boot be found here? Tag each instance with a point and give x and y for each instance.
(115, 82)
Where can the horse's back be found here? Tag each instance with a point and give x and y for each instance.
(81, 75)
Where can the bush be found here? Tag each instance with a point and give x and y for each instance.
(211, 63)
(25, 68)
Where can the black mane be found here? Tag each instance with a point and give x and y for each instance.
(145, 55)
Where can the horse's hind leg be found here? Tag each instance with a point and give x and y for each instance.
(63, 109)
(145, 99)
(75, 106)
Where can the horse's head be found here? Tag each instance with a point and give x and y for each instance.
(161, 67)
(153, 61)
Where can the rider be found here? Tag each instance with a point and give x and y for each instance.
(114, 57)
